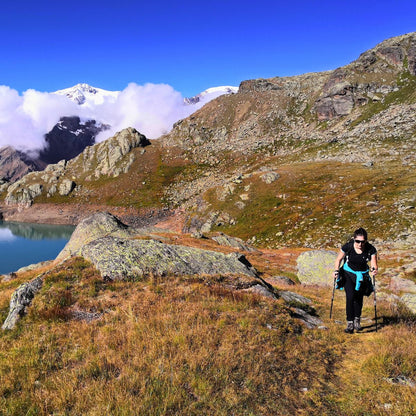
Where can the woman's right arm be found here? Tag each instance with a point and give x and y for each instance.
(338, 260)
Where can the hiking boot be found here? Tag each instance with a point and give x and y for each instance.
(350, 327)
(357, 324)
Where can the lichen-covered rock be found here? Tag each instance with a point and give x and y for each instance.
(110, 245)
(92, 228)
(316, 267)
(20, 300)
(409, 300)
(124, 259)
(293, 297)
(227, 241)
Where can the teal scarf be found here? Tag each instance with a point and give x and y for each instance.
(360, 275)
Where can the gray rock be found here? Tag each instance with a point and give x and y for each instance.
(262, 291)
(20, 300)
(52, 190)
(92, 228)
(18, 194)
(109, 155)
(123, 259)
(109, 245)
(409, 300)
(398, 284)
(276, 280)
(270, 177)
(316, 267)
(227, 241)
(292, 297)
(309, 320)
(66, 187)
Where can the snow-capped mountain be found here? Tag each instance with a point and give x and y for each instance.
(88, 96)
(210, 94)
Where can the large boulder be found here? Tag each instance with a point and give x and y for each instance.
(124, 259)
(316, 267)
(113, 249)
(92, 228)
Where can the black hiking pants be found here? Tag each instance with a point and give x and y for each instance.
(354, 299)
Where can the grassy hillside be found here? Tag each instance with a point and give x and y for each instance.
(191, 346)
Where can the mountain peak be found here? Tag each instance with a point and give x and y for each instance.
(210, 94)
(84, 94)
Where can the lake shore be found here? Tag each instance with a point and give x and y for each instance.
(72, 214)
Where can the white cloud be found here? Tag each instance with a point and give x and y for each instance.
(6, 235)
(151, 108)
(25, 119)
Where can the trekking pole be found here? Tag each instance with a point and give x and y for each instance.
(375, 298)
(332, 300)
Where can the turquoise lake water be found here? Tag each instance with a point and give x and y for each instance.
(22, 244)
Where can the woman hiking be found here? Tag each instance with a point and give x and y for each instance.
(358, 252)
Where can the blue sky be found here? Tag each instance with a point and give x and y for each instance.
(190, 45)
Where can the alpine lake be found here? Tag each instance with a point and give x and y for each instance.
(22, 244)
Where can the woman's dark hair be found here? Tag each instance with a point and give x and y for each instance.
(360, 231)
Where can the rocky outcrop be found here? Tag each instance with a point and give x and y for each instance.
(405, 289)
(359, 83)
(22, 193)
(110, 157)
(316, 267)
(21, 299)
(269, 177)
(107, 158)
(66, 187)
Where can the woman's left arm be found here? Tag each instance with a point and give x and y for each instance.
(373, 262)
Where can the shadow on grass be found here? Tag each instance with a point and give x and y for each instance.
(383, 321)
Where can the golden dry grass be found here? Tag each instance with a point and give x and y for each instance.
(192, 346)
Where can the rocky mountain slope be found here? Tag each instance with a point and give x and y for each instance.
(71, 135)
(68, 138)
(15, 164)
(292, 160)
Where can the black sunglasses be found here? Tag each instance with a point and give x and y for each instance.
(359, 241)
